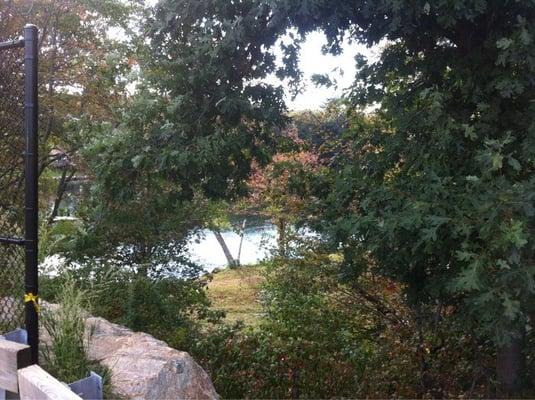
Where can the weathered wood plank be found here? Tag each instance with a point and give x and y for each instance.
(36, 383)
(13, 356)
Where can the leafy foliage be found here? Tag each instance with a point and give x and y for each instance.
(65, 358)
(434, 192)
(322, 338)
(442, 178)
(305, 346)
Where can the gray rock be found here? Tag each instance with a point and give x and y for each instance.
(143, 367)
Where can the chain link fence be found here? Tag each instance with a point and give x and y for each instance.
(12, 146)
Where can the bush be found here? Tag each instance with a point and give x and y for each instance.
(324, 337)
(170, 308)
(308, 345)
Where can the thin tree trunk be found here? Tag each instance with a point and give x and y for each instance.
(62, 187)
(230, 260)
(142, 257)
(242, 233)
(510, 365)
(50, 92)
(281, 227)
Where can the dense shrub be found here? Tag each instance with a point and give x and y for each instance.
(171, 309)
(322, 338)
(310, 343)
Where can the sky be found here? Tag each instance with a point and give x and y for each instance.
(312, 61)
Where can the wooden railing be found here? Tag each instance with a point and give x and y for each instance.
(35, 383)
(20, 379)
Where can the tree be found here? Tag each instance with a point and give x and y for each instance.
(134, 213)
(81, 77)
(181, 141)
(274, 190)
(218, 121)
(219, 216)
(439, 188)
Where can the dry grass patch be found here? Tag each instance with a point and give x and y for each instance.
(236, 292)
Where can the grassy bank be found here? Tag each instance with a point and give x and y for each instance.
(236, 292)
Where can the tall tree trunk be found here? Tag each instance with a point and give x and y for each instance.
(510, 365)
(230, 260)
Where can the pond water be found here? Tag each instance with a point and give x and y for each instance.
(258, 242)
(259, 237)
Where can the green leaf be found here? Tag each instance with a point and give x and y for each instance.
(511, 307)
(469, 278)
(427, 8)
(504, 43)
(514, 234)
(513, 162)
(137, 160)
(470, 132)
(464, 255)
(496, 161)
(525, 37)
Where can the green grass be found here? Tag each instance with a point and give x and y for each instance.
(235, 291)
(65, 356)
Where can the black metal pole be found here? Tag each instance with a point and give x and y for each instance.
(30, 189)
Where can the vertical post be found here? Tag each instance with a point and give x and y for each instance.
(30, 188)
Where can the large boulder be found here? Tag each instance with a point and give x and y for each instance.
(143, 367)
